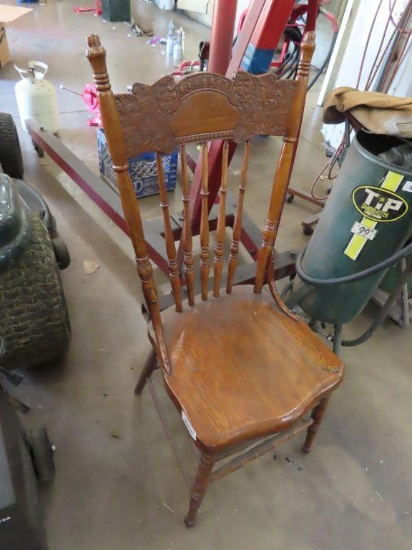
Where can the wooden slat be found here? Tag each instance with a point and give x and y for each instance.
(221, 222)
(204, 225)
(170, 113)
(169, 238)
(237, 226)
(187, 231)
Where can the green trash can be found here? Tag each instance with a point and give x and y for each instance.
(116, 10)
(367, 218)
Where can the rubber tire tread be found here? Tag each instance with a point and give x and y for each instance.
(34, 320)
(11, 157)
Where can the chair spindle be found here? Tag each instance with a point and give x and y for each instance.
(187, 231)
(237, 226)
(169, 238)
(204, 224)
(221, 222)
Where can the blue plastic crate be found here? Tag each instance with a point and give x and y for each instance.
(142, 169)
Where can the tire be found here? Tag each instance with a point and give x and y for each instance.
(11, 158)
(42, 454)
(61, 253)
(34, 323)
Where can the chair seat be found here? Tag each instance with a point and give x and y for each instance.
(242, 368)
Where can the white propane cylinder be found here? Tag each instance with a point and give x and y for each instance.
(36, 97)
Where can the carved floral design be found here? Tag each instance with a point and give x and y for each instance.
(242, 89)
(262, 102)
(267, 110)
(166, 95)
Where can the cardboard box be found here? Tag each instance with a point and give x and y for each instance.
(8, 14)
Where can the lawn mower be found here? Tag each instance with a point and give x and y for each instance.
(34, 329)
(34, 321)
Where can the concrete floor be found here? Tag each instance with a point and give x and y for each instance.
(353, 492)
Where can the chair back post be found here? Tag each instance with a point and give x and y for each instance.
(96, 55)
(284, 168)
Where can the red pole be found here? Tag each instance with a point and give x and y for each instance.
(221, 40)
(313, 8)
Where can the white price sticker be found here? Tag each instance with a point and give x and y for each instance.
(189, 427)
(363, 231)
(407, 186)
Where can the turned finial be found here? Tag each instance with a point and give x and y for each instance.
(307, 48)
(96, 55)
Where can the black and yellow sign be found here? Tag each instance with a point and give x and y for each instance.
(378, 204)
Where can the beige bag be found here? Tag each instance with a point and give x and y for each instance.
(379, 113)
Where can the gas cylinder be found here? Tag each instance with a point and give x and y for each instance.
(366, 219)
(36, 97)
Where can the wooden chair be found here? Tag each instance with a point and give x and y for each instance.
(242, 370)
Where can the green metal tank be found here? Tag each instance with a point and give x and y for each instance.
(367, 218)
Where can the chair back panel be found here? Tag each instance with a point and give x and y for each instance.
(203, 107)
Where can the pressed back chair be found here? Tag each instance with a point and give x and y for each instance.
(242, 370)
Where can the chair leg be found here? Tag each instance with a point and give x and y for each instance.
(200, 485)
(317, 416)
(149, 367)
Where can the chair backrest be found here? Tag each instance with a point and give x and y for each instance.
(200, 107)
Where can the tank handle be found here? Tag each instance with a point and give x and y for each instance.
(36, 71)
